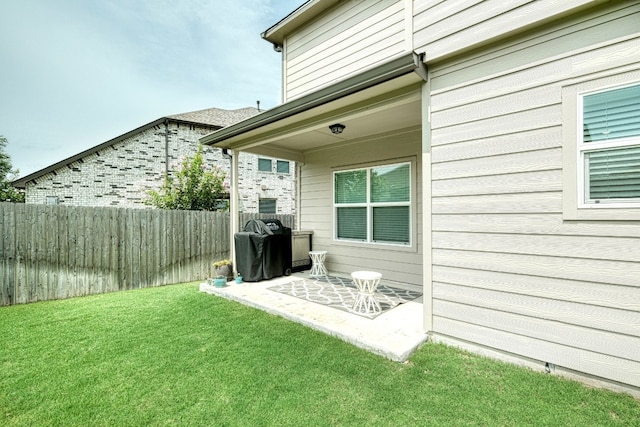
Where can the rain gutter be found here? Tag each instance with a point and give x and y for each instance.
(398, 67)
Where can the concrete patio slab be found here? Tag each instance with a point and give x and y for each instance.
(395, 334)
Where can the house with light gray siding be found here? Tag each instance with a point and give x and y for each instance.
(516, 127)
(121, 171)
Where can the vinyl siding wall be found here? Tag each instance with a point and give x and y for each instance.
(400, 265)
(508, 272)
(349, 38)
(443, 27)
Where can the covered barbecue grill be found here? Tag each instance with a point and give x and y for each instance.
(263, 250)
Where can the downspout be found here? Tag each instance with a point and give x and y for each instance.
(298, 193)
(166, 148)
(427, 210)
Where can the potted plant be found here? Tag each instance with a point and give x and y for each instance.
(220, 282)
(223, 268)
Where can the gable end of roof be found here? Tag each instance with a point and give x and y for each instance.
(214, 118)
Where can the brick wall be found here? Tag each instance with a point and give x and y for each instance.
(255, 185)
(121, 174)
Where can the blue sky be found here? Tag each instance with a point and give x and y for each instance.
(76, 73)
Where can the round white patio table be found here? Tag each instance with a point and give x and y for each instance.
(317, 263)
(367, 283)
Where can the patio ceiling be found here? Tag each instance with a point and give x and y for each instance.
(381, 103)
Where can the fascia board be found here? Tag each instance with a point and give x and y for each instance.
(390, 70)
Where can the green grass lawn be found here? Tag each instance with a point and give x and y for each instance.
(174, 356)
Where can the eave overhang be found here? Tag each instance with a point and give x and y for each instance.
(303, 14)
(409, 67)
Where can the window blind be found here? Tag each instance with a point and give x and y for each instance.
(352, 223)
(391, 224)
(390, 184)
(614, 173)
(351, 186)
(611, 115)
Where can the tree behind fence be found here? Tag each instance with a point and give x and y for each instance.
(55, 252)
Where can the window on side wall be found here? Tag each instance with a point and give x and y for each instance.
(601, 148)
(373, 204)
(267, 206)
(282, 166)
(264, 165)
(609, 148)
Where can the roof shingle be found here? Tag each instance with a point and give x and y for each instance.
(216, 116)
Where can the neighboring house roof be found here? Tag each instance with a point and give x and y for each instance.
(216, 118)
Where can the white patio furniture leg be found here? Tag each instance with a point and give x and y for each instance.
(366, 282)
(317, 263)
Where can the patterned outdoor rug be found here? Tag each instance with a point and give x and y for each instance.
(340, 293)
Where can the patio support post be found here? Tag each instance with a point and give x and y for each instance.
(427, 256)
(234, 213)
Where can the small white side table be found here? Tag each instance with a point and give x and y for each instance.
(317, 263)
(367, 283)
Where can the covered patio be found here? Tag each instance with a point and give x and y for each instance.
(366, 123)
(371, 123)
(393, 334)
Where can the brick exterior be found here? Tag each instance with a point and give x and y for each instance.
(121, 173)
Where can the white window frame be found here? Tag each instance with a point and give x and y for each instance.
(585, 148)
(411, 245)
(574, 207)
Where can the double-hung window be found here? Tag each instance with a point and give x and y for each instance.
(373, 204)
(609, 148)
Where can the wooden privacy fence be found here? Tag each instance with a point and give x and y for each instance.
(55, 252)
